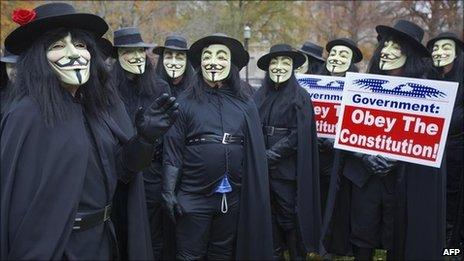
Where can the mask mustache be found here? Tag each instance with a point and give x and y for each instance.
(173, 66)
(279, 71)
(335, 62)
(386, 56)
(81, 61)
(213, 66)
(440, 56)
(136, 60)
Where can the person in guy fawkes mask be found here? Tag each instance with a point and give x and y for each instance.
(173, 65)
(448, 57)
(376, 202)
(7, 74)
(289, 129)
(68, 147)
(343, 54)
(139, 86)
(215, 183)
(174, 68)
(313, 58)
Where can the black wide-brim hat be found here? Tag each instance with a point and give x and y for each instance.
(312, 50)
(407, 30)
(446, 35)
(8, 57)
(172, 42)
(129, 37)
(357, 54)
(281, 50)
(52, 16)
(240, 56)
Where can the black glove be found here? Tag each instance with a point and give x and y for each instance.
(170, 175)
(154, 121)
(272, 158)
(325, 144)
(379, 165)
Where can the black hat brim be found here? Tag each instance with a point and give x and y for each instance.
(312, 55)
(298, 59)
(9, 59)
(160, 49)
(357, 54)
(240, 56)
(22, 37)
(384, 31)
(135, 45)
(458, 41)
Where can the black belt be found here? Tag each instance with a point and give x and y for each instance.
(212, 138)
(271, 130)
(84, 221)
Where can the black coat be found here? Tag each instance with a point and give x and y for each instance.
(43, 170)
(293, 108)
(201, 174)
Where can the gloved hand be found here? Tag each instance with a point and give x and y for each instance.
(379, 165)
(154, 121)
(272, 158)
(172, 207)
(325, 144)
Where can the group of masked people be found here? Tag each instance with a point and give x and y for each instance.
(107, 156)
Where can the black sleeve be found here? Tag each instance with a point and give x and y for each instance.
(174, 142)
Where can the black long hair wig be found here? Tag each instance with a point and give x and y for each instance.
(198, 86)
(36, 79)
(416, 66)
(186, 78)
(146, 83)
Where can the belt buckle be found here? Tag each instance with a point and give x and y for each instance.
(225, 138)
(107, 213)
(271, 130)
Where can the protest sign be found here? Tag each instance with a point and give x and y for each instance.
(397, 117)
(326, 95)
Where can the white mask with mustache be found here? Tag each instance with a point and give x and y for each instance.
(280, 69)
(339, 59)
(304, 67)
(215, 62)
(444, 52)
(391, 56)
(174, 63)
(70, 60)
(132, 59)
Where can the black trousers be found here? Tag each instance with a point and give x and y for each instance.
(372, 213)
(283, 203)
(204, 231)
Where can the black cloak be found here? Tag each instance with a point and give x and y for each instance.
(42, 175)
(308, 193)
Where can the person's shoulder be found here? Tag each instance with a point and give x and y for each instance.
(24, 111)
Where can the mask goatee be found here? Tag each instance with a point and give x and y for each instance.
(173, 74)
(382, 63)
(333, 68)
(212, 76)
(438, 63)
(78, 75)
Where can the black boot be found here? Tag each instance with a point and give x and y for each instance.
(362, 254)
(293, 246)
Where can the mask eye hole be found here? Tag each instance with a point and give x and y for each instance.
(57, 46)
